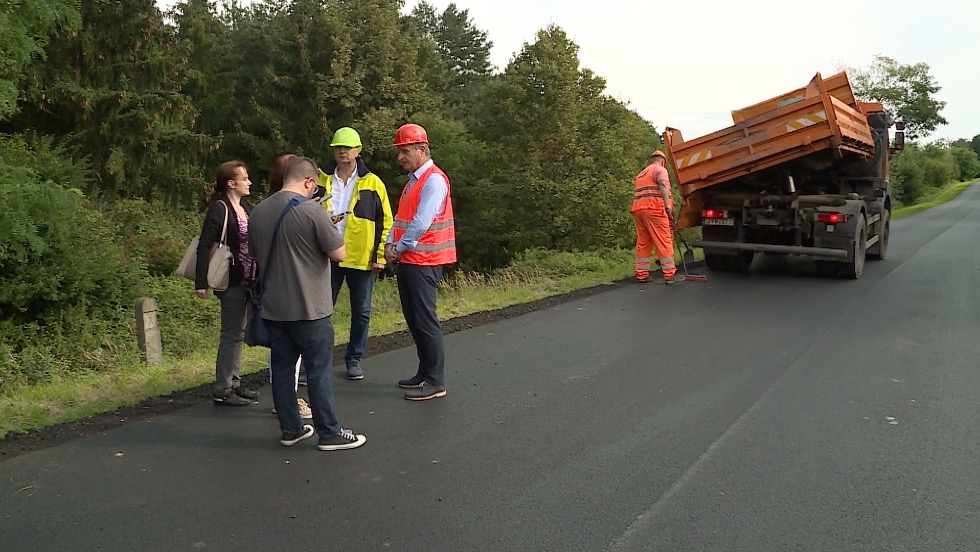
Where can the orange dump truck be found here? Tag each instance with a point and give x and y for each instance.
(804, 173)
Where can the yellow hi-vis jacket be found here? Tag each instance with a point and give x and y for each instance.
(369, 219)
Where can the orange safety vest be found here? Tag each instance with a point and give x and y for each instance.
(647, 192)
(437, 246)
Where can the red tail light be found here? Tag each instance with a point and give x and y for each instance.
(714, 213)
(831, 218)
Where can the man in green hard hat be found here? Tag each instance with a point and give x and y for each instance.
(358, 205)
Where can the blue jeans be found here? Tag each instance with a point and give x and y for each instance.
(313, 339)
(360, 283)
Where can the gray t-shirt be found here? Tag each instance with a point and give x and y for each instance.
(297, 283)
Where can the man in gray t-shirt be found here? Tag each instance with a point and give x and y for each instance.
(296, 302)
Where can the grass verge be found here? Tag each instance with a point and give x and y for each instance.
(537, 275)
(947, 193)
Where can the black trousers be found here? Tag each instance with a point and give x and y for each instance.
(417, 290)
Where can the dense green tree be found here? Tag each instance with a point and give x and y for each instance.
(424, 20)
(466, 48)
(25, 27)
(204, 40)
(967, 162)
(975, 144)
(44, 231)
(939, 168)
(464, 51)
(908, 174)
(304, 69)
(920, 169)
(376, 86)
(65, 276)
(433, 69)
(233, 87)
(908, 91)
(570, 153)
(113, 89)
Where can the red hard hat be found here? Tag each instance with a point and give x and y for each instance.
(409, 134)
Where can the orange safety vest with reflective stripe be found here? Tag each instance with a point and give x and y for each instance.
(437, 246)
(646, 194)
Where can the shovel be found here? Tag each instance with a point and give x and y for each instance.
(687, 255)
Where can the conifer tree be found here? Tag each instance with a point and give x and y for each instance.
(114, 89)
(464, 51)
(24, 30)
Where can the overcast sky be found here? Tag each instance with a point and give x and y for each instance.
(687, 64)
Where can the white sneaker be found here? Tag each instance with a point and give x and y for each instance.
(304, 409)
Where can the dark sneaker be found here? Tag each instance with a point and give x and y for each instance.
(344, 440)
(641, 280)
(249, 394)
(425, 392)
(231, 399)
(289, 438)
(354, 371)
(411, 383)
(675, 279)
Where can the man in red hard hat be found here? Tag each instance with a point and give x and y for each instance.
(422, 242)
(653, 210)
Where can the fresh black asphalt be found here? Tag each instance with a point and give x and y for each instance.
(775, 411)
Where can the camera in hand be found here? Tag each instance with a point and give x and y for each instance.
(320, 192)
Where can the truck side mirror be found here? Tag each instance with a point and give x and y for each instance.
(899, 125)
(899, 140)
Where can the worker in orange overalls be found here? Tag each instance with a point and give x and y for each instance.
(653, 209)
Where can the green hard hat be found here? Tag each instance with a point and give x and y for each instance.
(347, 137)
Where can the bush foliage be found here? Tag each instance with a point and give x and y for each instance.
(67, 280)
(919, 170)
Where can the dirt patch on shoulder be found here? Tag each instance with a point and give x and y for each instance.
(16, 444)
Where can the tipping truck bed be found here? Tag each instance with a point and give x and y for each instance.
(803, 173)
(822, 120)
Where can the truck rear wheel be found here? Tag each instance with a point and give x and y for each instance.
(855, 267)
(879, 249)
